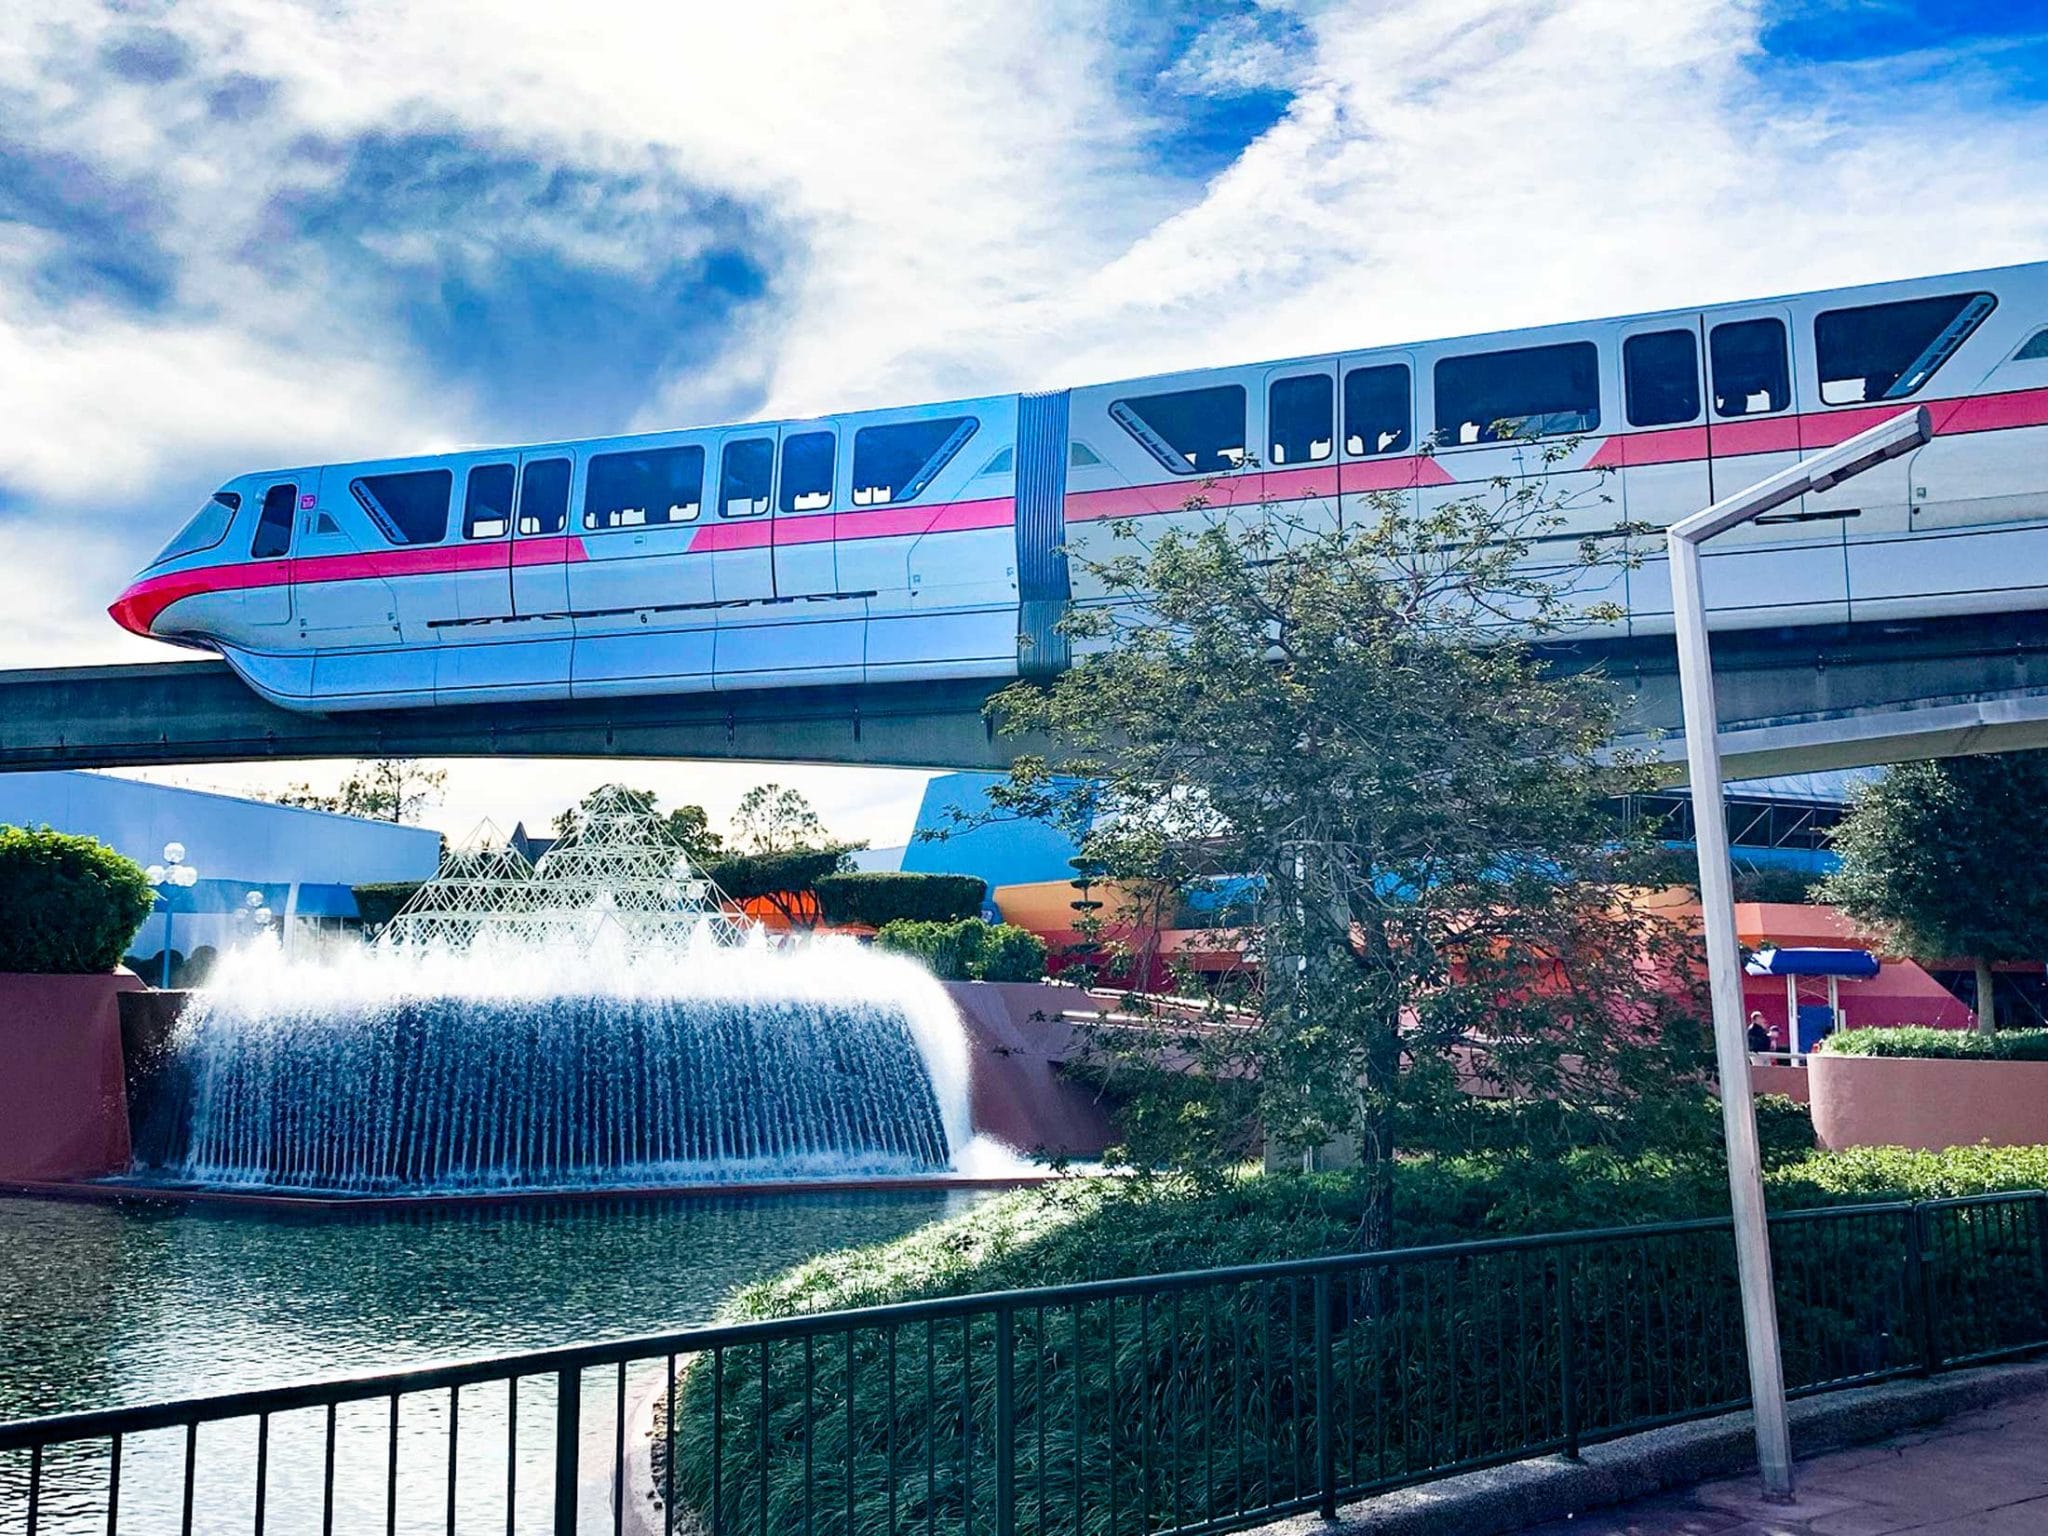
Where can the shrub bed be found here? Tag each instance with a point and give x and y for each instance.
(69, 905)
(1456, 1360)
(968, 950)
(1940, 1044)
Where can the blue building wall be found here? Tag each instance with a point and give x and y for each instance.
(301, 862)
(1000, 853)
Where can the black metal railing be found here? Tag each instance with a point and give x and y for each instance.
(1174, 1403)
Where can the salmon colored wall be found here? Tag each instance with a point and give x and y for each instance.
(1880, 1101)
(63, 1104)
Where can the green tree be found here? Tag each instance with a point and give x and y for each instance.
(685, 825)
(1943, 859)
(1352, 715)
(385, 789)
(772, 819)
(786, 880)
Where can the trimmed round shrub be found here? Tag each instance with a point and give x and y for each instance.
(69, 905)
(878, 897)
(1940, 1044)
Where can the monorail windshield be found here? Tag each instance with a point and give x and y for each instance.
(204, 529)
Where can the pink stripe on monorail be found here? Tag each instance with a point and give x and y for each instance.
(907, 521)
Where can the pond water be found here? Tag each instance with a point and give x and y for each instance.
(105, 1305)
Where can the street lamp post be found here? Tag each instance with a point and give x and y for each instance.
(1866, 450)
(173, 874)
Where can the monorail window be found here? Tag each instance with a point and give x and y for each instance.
(897, 462)
(1489, 397)
(544, 497)
(1660, 378)
(1301, 419)
(807, 460)
(207, 527)
(410, 508)
(644, 489)
(1752, 374)
(1080, 455)
(1378, 412)
(1004, 462)
(746, 477)
(1888, 351)
(274, 526)
(1190, 431)
(487, 503)
(2035, 349)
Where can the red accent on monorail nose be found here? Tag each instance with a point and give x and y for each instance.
(133, 611)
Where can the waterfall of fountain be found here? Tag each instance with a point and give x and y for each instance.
(815, 1069)
(595, 1021)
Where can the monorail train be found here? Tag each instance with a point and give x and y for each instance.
(930, 541)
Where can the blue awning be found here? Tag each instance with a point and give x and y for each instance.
(1812, 962)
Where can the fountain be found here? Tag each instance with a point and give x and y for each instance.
(592, 1021)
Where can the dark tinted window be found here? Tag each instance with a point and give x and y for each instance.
(487, 503)
(746, 472)
(1887, 351)
(896, 462)
(1660, 374)
(410, 508)
(2036, 347)
(1752, 375)
(544, 497)
(1191, 431)
(1301, 419)
(807, 471)
(1527, 392)
(644, 489)
(274, 527)
(1377, 414)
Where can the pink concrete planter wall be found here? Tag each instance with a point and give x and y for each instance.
(63, 1107)
(1787, 1080)
(1882, 1101)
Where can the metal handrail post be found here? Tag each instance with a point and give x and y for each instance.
(1326, 1395)
(568, 1427)
(1006, 1420)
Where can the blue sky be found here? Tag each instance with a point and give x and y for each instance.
(247, 232)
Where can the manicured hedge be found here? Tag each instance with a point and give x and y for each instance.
(1940, 1044)
(879, 897)
(969, 950)
(377, 904)
(68, 905)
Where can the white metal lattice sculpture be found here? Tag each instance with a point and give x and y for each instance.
(616, 876)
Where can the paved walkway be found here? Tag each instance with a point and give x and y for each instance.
(1983, 1473)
